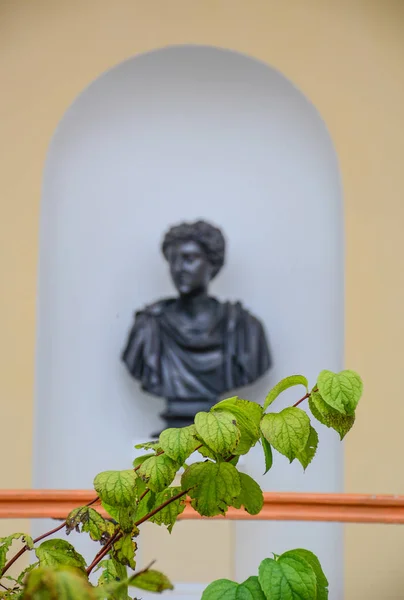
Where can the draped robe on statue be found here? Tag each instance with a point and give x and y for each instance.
(195, 368)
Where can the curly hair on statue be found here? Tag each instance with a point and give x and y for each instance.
(209, 237)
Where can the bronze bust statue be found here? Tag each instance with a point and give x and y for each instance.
(193, 348)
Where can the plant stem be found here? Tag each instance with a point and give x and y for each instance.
(45, 535)
(118, 535)
(157, 454)
(36, 540)
(149, 566)
(104, 551)
(159, 508)
(12, 560)
(25, 548)
(109, 544)
(301, 399)
(147, 490)
(93, 501)
(315, 389)
(229, 458)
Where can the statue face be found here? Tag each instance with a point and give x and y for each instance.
(190, 268)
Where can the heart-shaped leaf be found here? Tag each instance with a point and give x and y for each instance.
(212, 486)
(329, 416)
(117, 488)
(283, 385)
(287, 578)
(218, 430)
(287, 431)
(341, 391)
(179, 442)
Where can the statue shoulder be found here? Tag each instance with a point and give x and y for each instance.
(155, 309)
(238, 314)
(248, 344)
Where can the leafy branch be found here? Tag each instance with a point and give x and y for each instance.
(153, 512)
(119, 535)
(104, 551)
(35, 541)
(146, 493)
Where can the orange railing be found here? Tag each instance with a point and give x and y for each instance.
(345, 508)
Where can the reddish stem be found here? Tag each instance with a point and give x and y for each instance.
(147, 490)
(107, 547)
(38, 539)
(118, 535)
(104, 551)
(159, 508)
(315, 389)
(301, 399)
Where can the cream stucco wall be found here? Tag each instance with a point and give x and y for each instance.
(347, 57)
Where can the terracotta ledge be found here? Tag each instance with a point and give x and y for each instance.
(344, 508)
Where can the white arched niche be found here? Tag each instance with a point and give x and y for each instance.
(182, 133)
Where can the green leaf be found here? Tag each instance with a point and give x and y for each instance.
(341, 391)
(287, 579)
(57, 553)
(113, 582)
(21, 577)
(117, 488)
(221, 589)
(169, 514)
(6, 542)
(179, 443)
(124, 515)
(152, 581)
(15, 594)
(28, 541)
(287, 431)
(46, 583)
(307, 454)
(139, 460)
(207, 452)
(212, 487)
(112, 571)
(146, 505)
(158, 472)
(250, 497)
(116, 590)
(91, 521)
(149, 446)
(123, 551)
(283, 385)
(329, 416)
(218, 430)
(248, 416)
(113, 511)
(322, 583)
(224, 589)
(319, 409)
(267, 453)
(253, 586)
(126, 519)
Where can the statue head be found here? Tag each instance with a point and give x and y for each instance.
(195, 253)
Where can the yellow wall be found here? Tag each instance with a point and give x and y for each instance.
(347, 56)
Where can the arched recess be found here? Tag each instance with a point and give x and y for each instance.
(180, 133)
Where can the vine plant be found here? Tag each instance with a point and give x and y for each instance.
(145, 493)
